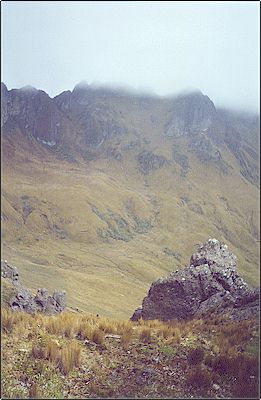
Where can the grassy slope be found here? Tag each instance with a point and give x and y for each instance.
(77, 355)
(51, 233)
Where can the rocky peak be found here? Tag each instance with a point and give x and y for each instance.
(31, 112)
(213, 252)
(30, 89)
(4, 89)
(192, 113)
(210, 284)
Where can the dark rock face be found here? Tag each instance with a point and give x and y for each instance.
(149, 161)
(93, 121)
(207, 152)
(182, 160)
(113, 153)
(137, 314)
(208, 285)
(25, 301)
(33, 113)
(191, 114)
(81, 121)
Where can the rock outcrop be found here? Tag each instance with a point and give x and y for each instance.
(10, 272)
(149, 161)
(42, 302)
(210, 284)
(23, 300)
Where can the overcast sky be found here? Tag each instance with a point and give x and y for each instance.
(162, 46)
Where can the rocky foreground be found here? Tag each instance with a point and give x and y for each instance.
(210, 284)
(207, 347)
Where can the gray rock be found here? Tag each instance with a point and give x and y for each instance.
(59, 300)
(8, 271)
(208, 285)
(23, 300)
(137, 314)
(42, 302)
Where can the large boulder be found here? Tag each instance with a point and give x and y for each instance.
(42, 302)
(23, 301)
(210, 284)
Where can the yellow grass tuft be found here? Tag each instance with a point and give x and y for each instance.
(98, 336)
(70, 357)
(126, 337)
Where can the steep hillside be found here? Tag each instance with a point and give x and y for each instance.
(104, 191)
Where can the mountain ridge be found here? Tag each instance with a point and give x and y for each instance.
(94, 190)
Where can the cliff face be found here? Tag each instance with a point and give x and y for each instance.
(193, 113)
(33, 113)
(86, 118)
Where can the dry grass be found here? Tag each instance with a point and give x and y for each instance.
(98, 336)
(145, 335)
(64, 357)
(86, 250)
(126, 337)
(65, 324)
(10, 320)
(70, 357)
(35, 391)
(107, 325)
(56, 342)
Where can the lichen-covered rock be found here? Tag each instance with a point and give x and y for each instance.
(210, 284)
(214, 252)
(42, 302)
(10, 272)
(60, 300)
(23, 301)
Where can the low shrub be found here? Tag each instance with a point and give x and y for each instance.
(145, 335)
(98, 336)
(222, 365)
(168, 351)
(195, 356)
(199, 377)
(37, 352)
